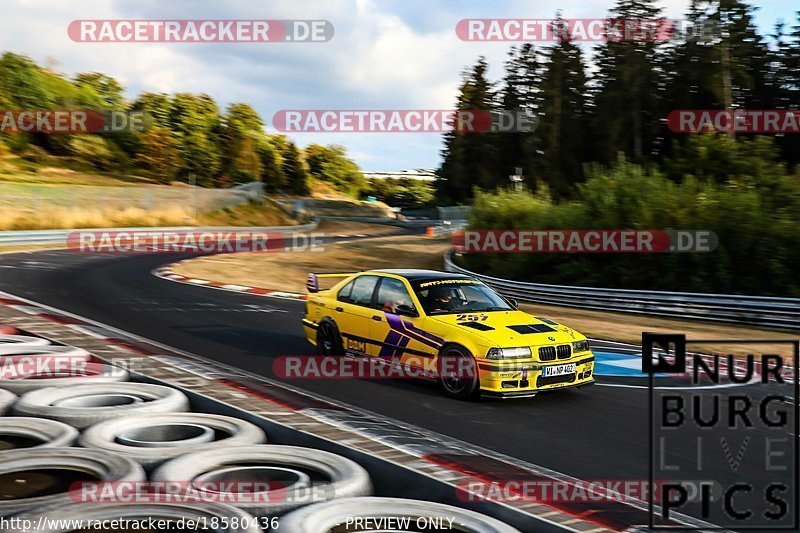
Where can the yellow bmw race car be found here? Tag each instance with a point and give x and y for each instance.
(453, 327)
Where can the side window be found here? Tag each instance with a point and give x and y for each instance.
(344, 293)
(392, 293)
(360, 290)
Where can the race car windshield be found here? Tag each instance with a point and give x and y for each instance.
(458, 296)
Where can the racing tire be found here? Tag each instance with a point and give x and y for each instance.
(333, 476)
(42, 475)
(327, 516)
(329, 340)
(18, 432)
(91, 373)
(224, 515)
(152, 439)
(7, 399)
(81, 406)
(22, 340)
(458, 373)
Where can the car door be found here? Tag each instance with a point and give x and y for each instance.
(398, 333)
(354, 313)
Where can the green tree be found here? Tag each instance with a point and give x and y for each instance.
(200, 158)
(627, 88)
(331, 164)
(196, 123)
(295, 171)
(22, 82)
(721, 158)
(192, 113)
(564, 112)
(242, 126)
(155, 107)
(520, 93)
(271, 165)
(160, 154)
(107, 88)
(785, 79)
(742, 72)
(248, 166)
(469, 158)
(97, 152)
(755, 221)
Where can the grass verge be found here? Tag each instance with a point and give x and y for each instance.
(253, 214)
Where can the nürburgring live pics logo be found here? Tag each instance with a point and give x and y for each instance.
(733, 429)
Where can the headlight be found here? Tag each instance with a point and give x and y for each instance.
(580, 346)
(508, 353)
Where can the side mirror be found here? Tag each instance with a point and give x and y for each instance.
(513, 303)
(406, 310)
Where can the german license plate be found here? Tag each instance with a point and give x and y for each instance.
(558, 370)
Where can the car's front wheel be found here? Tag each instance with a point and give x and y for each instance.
(329, 340)
(458, 373)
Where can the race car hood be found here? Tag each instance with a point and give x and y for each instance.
(508, 329)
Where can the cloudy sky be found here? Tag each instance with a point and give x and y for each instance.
(386, 54)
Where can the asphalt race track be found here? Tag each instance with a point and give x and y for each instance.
(599, 433)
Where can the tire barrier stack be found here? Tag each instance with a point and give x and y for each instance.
(290, 467)
(26, 432)
(152, 439)
(7, 399)
(81, 406)
(67, 439)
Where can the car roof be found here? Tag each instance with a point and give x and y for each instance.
(412, 274)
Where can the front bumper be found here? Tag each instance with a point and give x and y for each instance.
(532, 393)
(516, 379)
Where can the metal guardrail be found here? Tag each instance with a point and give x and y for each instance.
(779, 313)
(59, 236)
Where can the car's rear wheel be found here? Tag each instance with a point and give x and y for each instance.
(458, 373)
(329, 341)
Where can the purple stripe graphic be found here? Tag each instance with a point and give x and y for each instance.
(403, 343)
(396, 324)
(423, 333)
(392, 338)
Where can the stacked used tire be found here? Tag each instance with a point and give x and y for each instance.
(96, 446)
